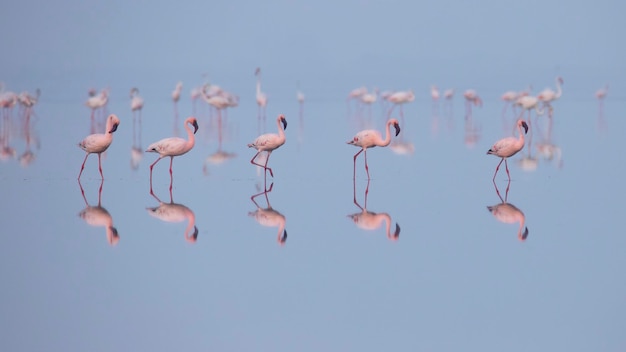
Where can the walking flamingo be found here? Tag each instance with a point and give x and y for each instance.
(98, 143)
(508, 147)
(269, 216)
(370, 139)
(99, 216)
(175, 212)
(509, 214)
(174, 146)
(269, 142)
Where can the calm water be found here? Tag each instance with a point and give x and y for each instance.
(455, 278)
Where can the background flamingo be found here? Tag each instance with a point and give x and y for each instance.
(547, 96)
(370, 139)
(98, 143)
(508, 147)
(261, 98)
(268, 143)
(471, 98)
(174, 146)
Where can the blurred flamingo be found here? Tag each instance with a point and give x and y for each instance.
(601, 93)
(547, 96)
(471, 98)
(400, 98)
(261, 98)
(268, 143)
(174, 146)
(370, 139)
(98, 143)
(508, 147)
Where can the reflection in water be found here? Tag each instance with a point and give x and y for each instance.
(269, 216)
(508, 213)
(97, 102)
(175, 212)
(99, 216)
(219, 156)
(549, 151)
(368, 220)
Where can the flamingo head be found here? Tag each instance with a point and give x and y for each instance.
(116, 122)
(524, 235)
(194, 123)
(194, 236)
(133, 91)
(560, 79)
(283, 239)
(525, 125)
(257, 71)
(396, 233)
(396, 125)
(112, 235)
(282, 119)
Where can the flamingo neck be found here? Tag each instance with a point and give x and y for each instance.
(387, 220)
(521, 135)
(281, 131)
(190, 225)
(191, 139)
(559, 91)
(387, 140)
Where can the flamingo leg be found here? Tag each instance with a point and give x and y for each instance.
(265, 166)
(83, 166)
(151, 167)
(367, 169)
(355, 155)
(100, 165)
(171, 175)
(506, 166)
(497, 168)
(100, 193)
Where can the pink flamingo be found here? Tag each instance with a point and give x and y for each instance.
(448, 94)
(98, 143)
(175, 212)
(370, 139)
(508, 147)
(174, 146)
(269, 142)
(269, 216)
(176, 92)
(99, 216)
(601, 93)
(261, 98)
(368, 220)
(400, 98)
(509, 214)
(528, 103)
(471, 97)
(547, 96)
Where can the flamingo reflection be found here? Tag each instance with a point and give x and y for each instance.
(368, 220)
(99, 216)
(175, 212)
(269, 216)
(508, 213)
(220, 156)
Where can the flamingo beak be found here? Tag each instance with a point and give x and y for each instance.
(396, 233)
(524, 235)
(284, 121)
(195, 126)
(114, 128)
(397, 126)
(195, 233)
(525, 125)
(284, 238)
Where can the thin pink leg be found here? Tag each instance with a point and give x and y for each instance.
(151, 167)
(83, 166)
(355, 155)
(265, 166)
(497, 168)
(506, 165)
(367, 169)
(100, 165)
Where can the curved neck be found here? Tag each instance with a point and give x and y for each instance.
(281, 131)
(281, 229)
(190, 136)
(520, 231)
(190, 224)
(387, 139)
(521, 134)
(387, 220)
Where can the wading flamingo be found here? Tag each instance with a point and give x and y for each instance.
(176, 92)
(601, 93)
(98, 143)
(370, 139)
(174, 146)
(471, 97)
(528, 103)
(508, 147)
(269, 142)
(136, 102)
(547, 96)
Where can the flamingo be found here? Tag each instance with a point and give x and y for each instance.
(370, 139)
(509, 214)
(357, 92)
(434, 93)
(174, 146)
(528, 103)
(99, 216)
(136, 102)
(368, 220)
(400, 98)
(28, 100)
(448, 94)
(176, 92)
(98, 143)
(269, 216)
(601, 93)
(261, 98)
(471, 97)
(269, 142)
(547, 96)
(508, 147)
(175, 212)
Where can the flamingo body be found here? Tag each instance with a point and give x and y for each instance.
(269, 142)
(99, 142)
(507, 147)
(372, 138)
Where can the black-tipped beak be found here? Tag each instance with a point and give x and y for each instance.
(114, 231)
(396, 233)
(114, 128)
(195, 126)
(284, 121)
(195, 233)
(525, 234)
(397, 128)
(284, 238)
(525, 125)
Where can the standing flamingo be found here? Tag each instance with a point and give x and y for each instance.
(400, 98)
(508, 147)
(370, 139)
(471, 97)
(528, 103)
(174, 146)
(176, 92)
(547, 96)
(136, 102)
(98, 143)
(601, 93)
(261, 98)
(269, 142)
